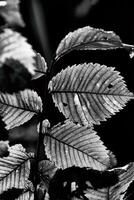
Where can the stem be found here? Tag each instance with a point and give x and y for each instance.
(128, 46)
(40, 152)
(37, 159)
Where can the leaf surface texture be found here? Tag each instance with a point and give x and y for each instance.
(88, 38)
(89, 93)
(14, 169)
(20, 107)
(14, 45)
(71, 144)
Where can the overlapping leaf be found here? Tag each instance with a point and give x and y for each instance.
(20, 107)
(89, 93)
(14, 46)
(41, 66)
(47, 170)
(88, 38)
(14, 169)
(10, 11)
(71, 144)
(118, 191)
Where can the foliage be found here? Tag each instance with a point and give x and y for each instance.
(68, 160)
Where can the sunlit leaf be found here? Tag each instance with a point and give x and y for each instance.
(14, 169)
(89, 93)
(15, 46)
(88, 38)
(20, 107)
(71, 144)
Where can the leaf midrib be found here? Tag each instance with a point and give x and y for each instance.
(18, 166)
(80, 45)
(76, 149)
(87, 92)
(6, 104)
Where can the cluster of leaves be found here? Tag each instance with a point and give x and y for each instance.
(68, 160)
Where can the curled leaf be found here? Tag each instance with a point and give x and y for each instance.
(88, 38)
(41, 66)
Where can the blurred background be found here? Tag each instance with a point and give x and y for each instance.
(48, 21)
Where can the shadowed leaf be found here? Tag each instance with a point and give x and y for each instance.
(14, 46)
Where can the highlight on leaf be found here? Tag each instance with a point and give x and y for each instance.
(89, 93)
(19, 108)
(10, 11)
(88, 38)
(70, 144)
(15, 46)
(14, 169)
(41, 66)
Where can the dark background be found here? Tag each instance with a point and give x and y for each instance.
(48, 21)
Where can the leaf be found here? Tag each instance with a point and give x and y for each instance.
(20, 107)
(14, 169)
(88, 38)
(17, 75)
(41, 66)
(10, 11)
(26, 196)
(4, 148)
(47, 170)
(74, 181)
(130, 192)
(89, 93)
(14, 46)
(71, 144)
(91, 184)
(11, 194)
(126, 176)
(118, 191)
